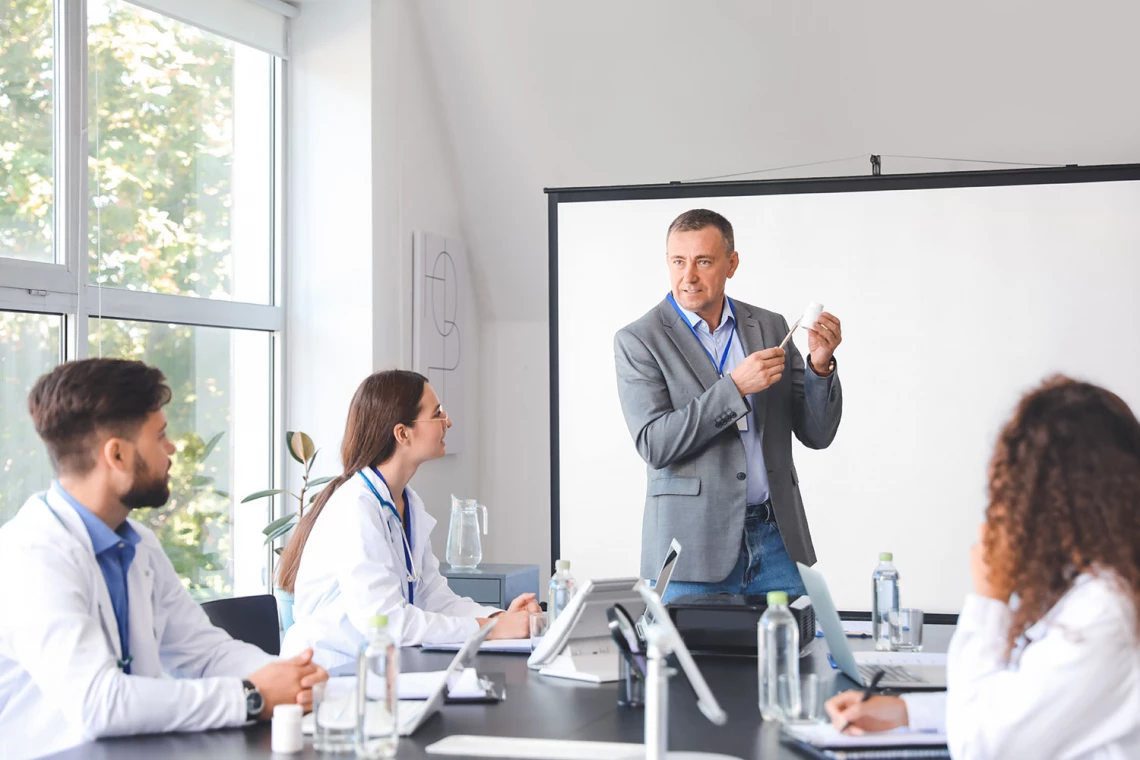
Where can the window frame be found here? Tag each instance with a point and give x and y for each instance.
(62, 288)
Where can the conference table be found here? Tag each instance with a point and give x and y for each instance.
(542, 707)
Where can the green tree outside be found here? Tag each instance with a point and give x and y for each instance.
(161, 105)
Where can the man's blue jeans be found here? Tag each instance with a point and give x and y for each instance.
(763, 565)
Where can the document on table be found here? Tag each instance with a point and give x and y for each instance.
(900, 658)
(824, 736)
(463, 685)
(497, 645)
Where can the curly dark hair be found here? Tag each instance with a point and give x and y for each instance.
(1064, 498)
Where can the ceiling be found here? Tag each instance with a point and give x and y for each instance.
(598, 92)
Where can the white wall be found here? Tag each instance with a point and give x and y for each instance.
(329, 205)
(370, 164)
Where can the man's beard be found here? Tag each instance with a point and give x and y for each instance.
(146, 490)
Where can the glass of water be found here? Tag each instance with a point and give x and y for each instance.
(334, 715)
(906, 630)
(539, 622)
(811, 698)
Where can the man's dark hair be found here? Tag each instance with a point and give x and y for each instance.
(698, 219)
(75, 401)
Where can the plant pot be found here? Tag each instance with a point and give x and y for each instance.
(284, 608)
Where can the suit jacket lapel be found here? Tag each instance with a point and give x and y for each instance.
(754, 338)
(688, 344)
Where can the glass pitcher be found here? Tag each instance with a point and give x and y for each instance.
(464, 550)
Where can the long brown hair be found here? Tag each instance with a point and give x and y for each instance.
(383, 400)
(1064, 498)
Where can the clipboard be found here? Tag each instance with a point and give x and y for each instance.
(495, 690)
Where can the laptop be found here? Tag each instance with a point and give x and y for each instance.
(413, 713)
(662, 582)
(901, 677)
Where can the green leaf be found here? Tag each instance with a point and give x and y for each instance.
(210, 446)
(319, 481)
(198, 481)
(224, 494)
(270, 492)
(286, 520)
(300, 446)
(278, 533)
(309, 464)
(277, 550)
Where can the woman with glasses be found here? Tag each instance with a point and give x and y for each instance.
(362, 549)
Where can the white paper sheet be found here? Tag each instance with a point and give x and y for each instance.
(825, 736)
(498, 645)
(900, 658)
(537, 749)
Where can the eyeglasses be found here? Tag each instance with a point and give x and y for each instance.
(440, 417)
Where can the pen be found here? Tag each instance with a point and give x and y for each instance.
(867, 694)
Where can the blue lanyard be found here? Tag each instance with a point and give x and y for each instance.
(693, 330)
(406, 525)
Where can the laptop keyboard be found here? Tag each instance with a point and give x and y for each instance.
(892, 673)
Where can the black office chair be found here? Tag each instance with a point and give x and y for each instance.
(252, 619)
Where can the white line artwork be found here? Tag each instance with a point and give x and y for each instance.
(440, 296)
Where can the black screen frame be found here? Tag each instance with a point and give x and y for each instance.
(1071, 174)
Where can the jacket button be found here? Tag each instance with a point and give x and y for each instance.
(741, 476)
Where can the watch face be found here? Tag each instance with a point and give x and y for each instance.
(254, 703)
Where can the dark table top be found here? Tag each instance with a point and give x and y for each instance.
(542, 707)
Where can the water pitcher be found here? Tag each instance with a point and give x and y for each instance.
(464, 550)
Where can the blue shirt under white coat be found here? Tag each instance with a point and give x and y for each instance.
(114, 551)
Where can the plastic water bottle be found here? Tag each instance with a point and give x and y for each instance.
(778, 658)
(378, 674)
(561, 589)
(884, 601)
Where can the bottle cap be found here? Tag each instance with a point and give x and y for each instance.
(562, 564)
(378, 621)
(287, 712)
(777, 597)
(886, 557)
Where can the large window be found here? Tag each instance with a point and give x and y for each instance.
(139, 166)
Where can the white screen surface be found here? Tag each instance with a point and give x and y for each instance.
(954, 302)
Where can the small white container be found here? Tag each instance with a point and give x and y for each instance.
(287, 738)
(811, 315)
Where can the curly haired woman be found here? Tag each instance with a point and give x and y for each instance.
(1045, 661)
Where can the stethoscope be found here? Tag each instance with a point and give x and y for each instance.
(405, 532)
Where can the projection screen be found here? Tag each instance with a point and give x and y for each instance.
(957, 293)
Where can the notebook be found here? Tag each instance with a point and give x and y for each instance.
(822, 740)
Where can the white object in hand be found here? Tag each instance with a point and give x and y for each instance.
(811, 315)
(286, 730)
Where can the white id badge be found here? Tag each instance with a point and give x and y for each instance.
(742, 424)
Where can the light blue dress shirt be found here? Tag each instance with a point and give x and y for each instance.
(714, 343)
(114, 551)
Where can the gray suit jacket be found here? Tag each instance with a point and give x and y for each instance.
(683, 421)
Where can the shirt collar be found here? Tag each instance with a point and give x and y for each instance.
(695, 320)
(102, 537)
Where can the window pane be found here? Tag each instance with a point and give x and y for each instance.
(29, 347)
(180, 172)
(221, 381)
(26, 83)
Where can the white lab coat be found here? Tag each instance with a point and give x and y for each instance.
(353, 567)
(60, 684)
(1073, 694)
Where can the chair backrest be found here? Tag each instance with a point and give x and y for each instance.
(252, 619)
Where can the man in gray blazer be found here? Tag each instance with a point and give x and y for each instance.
(711, 401)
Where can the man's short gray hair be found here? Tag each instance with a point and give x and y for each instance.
(699, 218)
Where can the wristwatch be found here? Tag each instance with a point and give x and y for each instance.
(254, 702)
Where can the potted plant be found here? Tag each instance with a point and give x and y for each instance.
(300, 446)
